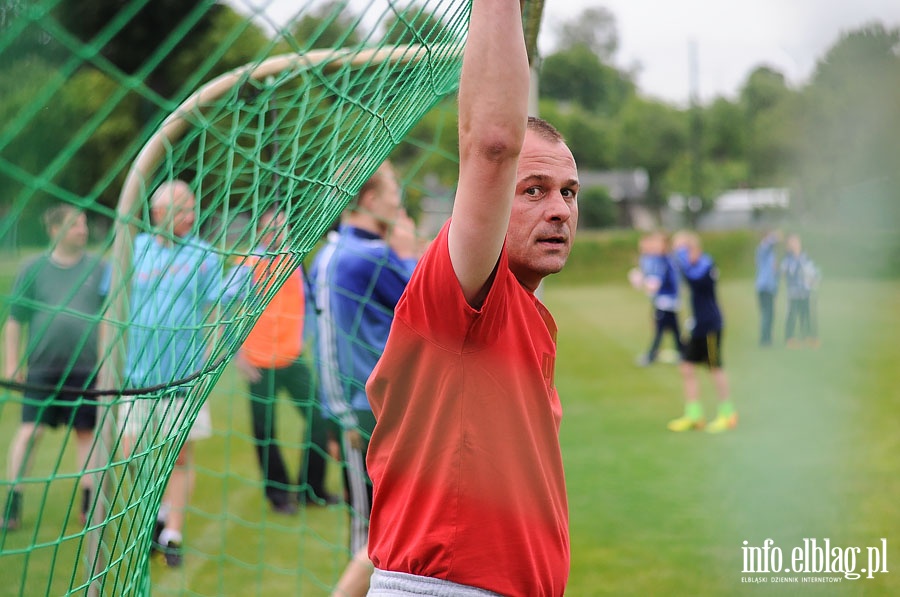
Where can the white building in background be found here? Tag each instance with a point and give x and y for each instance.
(628, 190)
(736, 208)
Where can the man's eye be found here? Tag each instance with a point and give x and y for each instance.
(533, 191)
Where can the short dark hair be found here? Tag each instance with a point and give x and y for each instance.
(544, 129)
(375, 182)
(55, 215)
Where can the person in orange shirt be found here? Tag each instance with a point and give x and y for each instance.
(271, 359)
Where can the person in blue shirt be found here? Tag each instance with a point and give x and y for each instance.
(176, 280)
(705, 344)
(358, 277)
(800, 276)
(767, 275)
(659, 279)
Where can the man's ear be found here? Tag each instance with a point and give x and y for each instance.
(159, 214)
(364, 201)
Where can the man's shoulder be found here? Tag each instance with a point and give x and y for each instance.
(142, 239)
(29, 264)
(94, 260)
(706, 261)
(94, 265)
(196, 243)
(360, 253)
(29, 270)
(352, 242)
(671, 264)
(200, 253)
(790, 261)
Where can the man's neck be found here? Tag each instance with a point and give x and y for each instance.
(167, 241)
(364, 222)
(66, 257)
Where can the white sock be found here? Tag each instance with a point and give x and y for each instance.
(169, 535)
(163, 512)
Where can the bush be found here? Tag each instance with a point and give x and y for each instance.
(596, 208)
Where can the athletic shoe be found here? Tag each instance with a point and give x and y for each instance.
(686, 424)
(12, 516)
(308, 497)
(10, 524)
(643, 361)
(288, 507)
(331, 499)
(721, 423)
(173, 553)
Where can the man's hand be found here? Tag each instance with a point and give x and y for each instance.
(247, 371)
(354, 438)
(636, 278)
(402, 237)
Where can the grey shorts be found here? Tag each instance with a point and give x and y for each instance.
(385, 583)
(159, 419)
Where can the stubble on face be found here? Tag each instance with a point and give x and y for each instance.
(177, 216)
(74, 232)
(544, 212)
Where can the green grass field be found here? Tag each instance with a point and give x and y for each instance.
(652, 512)
(814, 456)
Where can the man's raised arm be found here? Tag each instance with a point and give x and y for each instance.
(493, 112)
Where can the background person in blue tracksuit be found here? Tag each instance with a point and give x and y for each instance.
(176, 280)
(659, 277)
(705, 343)
(358, 277)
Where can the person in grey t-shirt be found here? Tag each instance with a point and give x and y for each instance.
(51, 342)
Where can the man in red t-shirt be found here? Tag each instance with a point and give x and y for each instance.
(470, 495)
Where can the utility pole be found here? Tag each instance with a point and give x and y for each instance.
(695, 200)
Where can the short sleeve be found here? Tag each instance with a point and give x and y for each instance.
(435, 307)
(212, 274)
(23, 293)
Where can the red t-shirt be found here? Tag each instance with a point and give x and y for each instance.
(465, 456)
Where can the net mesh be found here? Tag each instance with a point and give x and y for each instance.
(101, 103)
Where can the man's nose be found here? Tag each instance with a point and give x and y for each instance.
(558, 209)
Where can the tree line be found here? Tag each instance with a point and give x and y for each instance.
(83, 86)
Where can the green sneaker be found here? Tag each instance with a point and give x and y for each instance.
(686, 424)
(721, 424)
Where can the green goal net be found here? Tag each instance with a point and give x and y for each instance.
(254, 106)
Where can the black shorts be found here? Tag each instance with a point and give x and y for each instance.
(64, 408)
(704, 348)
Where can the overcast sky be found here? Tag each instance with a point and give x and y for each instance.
(728, 38)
